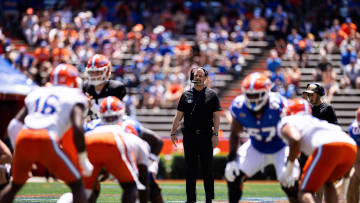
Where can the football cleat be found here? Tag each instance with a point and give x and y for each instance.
(65, 74)
(98, 69)
(296, 106)
(256, 88)
(112, 110)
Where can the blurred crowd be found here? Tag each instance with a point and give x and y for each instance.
(153, 46)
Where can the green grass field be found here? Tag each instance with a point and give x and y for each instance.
(172, 192)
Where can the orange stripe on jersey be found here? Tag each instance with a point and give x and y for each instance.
(131, 129)
(328, 163)
(129, 154)
(131, 164)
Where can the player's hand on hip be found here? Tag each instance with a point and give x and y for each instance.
(231, 171)
(174, 139)
(86, 166)
(215, 141)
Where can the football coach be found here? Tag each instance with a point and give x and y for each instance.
(200, 108)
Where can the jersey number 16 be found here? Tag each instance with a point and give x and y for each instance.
(46, 105)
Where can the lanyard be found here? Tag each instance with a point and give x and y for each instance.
(196, 102)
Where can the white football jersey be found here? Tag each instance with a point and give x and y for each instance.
(137, 147)
(314, 132)
(50, 108)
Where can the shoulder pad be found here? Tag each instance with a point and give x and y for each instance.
(276, 101)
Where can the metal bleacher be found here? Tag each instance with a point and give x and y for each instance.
(160, 120)
(345, 101)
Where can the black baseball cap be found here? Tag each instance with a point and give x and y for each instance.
(313, 88)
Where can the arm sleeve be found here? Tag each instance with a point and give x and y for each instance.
(331, 115)
(120, 91)
(216, 103)
(181, 104)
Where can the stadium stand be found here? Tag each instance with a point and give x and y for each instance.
(178, 26)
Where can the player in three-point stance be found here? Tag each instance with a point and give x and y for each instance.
(257, 111)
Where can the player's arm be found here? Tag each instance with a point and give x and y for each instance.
(5, 154)
(120, 91)
(231, 169)
(142, 164)
(16, 124)
(77, 121)
(143, 178)
(236, 129)
(292, 135)
(155, 142)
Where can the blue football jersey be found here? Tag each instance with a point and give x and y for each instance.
(354, 132)
(134, 123)
(263, 134)
(127, 121)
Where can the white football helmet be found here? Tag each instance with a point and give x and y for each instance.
(112, 110)
(256, 88)
(98, 69)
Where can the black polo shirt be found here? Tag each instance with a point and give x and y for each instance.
(325, 112)
(111, 88)
(198, 108)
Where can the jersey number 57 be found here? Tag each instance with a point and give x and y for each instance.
(263, 134)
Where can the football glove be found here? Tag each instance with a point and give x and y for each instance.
(288, 176)
(86, 166)
(231, 171)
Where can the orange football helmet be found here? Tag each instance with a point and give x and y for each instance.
(256, 88)
(112, 110)
(298, 105)
(65, 74)
(98, 69)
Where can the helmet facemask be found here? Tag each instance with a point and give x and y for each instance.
(112, 110)
(256, 99)
(111, 117)
(97, 76)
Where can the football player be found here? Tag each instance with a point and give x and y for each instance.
(99, 85)
(331, 151)
(5, 161)
(124, 155)
(257, 111)
(353, 191)
(48, 113)
(110, 116)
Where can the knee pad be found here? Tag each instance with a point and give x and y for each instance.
(235, 188)
(291, 191)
